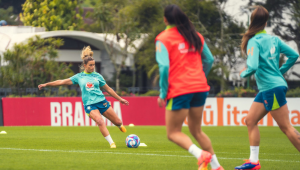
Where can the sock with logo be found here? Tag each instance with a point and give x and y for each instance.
(194, 150)
(214, 162)
(109, 139)
(254, 151)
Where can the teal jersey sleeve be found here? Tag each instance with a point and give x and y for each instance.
(101, 80)
(252, 59)
(291, 54)
(162, 58)
(74, 79)
(207, 59)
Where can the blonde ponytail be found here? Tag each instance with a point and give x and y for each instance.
(86, 56)
(86, 52)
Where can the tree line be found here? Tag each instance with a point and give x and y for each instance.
(131, 20)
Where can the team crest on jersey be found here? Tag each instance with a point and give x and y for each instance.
(272, 50)
(182, 48)
(89, 86)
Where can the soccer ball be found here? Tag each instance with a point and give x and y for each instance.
(132, 141)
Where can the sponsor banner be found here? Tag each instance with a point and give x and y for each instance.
(233, 112)
(69, 111)
(1, 113)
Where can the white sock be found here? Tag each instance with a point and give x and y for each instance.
(109, 139)
(254, 151)
(194, 150)
(214, 162)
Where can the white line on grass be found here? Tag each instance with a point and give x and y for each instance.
(125, 153)
(232, 153)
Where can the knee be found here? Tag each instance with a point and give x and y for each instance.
(250, 122)
(100, 122)
(284, 128)
(170, 136)
(195, 132)
(118, 122)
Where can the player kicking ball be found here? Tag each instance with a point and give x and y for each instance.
(93, 99)
(263, 52)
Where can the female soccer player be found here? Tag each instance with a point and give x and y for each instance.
(263, 52)
(93, 99)
(184, 62)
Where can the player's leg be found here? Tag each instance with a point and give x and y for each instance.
(281, 116)
(257, 112)
(174, 120)
(96, 116)
(111, 115)
(194, 123)
(176, 112)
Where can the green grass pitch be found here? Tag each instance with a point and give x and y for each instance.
(72, 148)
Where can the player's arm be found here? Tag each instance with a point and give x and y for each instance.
(207, 59)
(291, 54)
(56, 83)
(252, 59)
(162, 58)
(114, 94)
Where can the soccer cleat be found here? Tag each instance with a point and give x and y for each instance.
(248, 166)
(220, 168)
(203, 160)
(113, 145)
(122, 129)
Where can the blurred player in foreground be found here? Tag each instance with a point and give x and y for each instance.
(93, 99)
(184, 62)
(263, 53)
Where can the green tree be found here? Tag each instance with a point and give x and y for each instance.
(16, 4)
(221, 33)
(33, 63)
(117, 21)
(53, 15)
(8, 15)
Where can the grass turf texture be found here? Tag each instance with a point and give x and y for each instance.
(71, 148)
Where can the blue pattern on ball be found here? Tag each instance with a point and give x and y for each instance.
(132, 141)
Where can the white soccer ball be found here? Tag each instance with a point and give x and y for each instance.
(132, 141)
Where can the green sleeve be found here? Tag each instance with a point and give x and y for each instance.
(162, 58)
(291, 54)
(74, 78)
(207, 59)
(252, 59)
(101, 80)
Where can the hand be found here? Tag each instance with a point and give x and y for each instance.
(243, 70)
(123, 101)
(161, 102)
(41, 86)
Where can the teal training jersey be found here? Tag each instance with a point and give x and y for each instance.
(263, 53)
(90, 84)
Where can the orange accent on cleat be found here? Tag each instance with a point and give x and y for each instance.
(220, 168)
(123, 129)
(203, 160)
